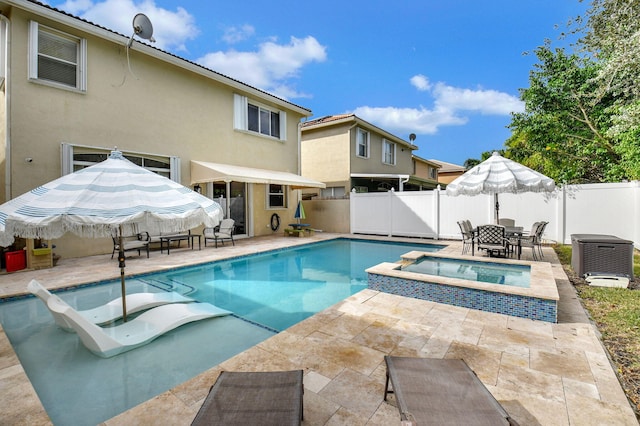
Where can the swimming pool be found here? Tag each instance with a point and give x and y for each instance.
(267, 293)
(483, 271)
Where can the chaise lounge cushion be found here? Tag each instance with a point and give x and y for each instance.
(254, 398)
(441, 392)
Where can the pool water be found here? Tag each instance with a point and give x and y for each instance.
(266, 292)
(492, 273)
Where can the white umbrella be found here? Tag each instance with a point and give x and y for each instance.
(114, 195)
(498, 175)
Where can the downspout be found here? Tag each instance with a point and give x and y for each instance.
(7, 106)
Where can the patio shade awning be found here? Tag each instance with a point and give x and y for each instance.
(202, 172)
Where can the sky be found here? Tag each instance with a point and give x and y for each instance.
(449, 71)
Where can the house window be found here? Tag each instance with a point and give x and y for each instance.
(388, 152)
(362, 143)
(57, 58)
(333, 192)
(260, 119)
(433, 173)
(263, 121)
(76, 157)
(276, 196)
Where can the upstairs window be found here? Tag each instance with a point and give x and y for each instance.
(362, 143)
(263, 121)
(57, 58)
(252, 117)
(388, 152)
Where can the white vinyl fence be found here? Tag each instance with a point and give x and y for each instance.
(608, 208)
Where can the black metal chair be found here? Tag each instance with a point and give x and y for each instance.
(492, 238)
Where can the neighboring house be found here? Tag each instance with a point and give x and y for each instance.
(448, 171)
(72, 91)
(347, 153)
(427, 170)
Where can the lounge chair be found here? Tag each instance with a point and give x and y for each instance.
(441, 392)
(251, 398)
(111, 311)
(109, 341)
(222, 232)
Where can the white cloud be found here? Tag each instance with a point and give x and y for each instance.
(406, 120)
(490, 102)
(270, 67)
(171, 29)
(420, 82)
(234, 35)
(452, 106)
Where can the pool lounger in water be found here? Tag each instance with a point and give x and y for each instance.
(109, 341)
(112, 311)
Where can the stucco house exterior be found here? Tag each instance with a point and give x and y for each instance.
(72, 91)
(348, 153)
(448, 172)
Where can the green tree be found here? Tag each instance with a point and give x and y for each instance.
(562, 132)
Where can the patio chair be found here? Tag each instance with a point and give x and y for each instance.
(251, 398)
(534, 239)
(111, 341)
(467, 236)
(441, 392)
(111, 311)
(137, 243)
(506, 222)
(493, 239)
(222, 232)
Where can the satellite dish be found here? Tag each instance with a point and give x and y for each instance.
(142, 27)
(412, 137)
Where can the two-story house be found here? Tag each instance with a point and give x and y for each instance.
(348, 153)
(72, 90)
(448, 172)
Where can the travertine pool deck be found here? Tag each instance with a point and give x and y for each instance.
(542, 373)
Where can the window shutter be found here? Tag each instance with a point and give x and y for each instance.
(33, 50)
(175, 169)
(239, 112)
(66, 159)
(283, 126)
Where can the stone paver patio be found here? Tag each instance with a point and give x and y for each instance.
(542, 373)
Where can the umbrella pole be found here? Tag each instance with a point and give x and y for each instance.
(122, 286)
(497, 208)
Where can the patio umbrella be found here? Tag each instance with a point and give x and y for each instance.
(299, 214)
(115, 195)
(498, 175)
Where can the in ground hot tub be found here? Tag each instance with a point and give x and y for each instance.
(538, 300)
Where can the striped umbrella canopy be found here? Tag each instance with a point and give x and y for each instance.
(498, 175)
(114, 196)
(299, 214)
